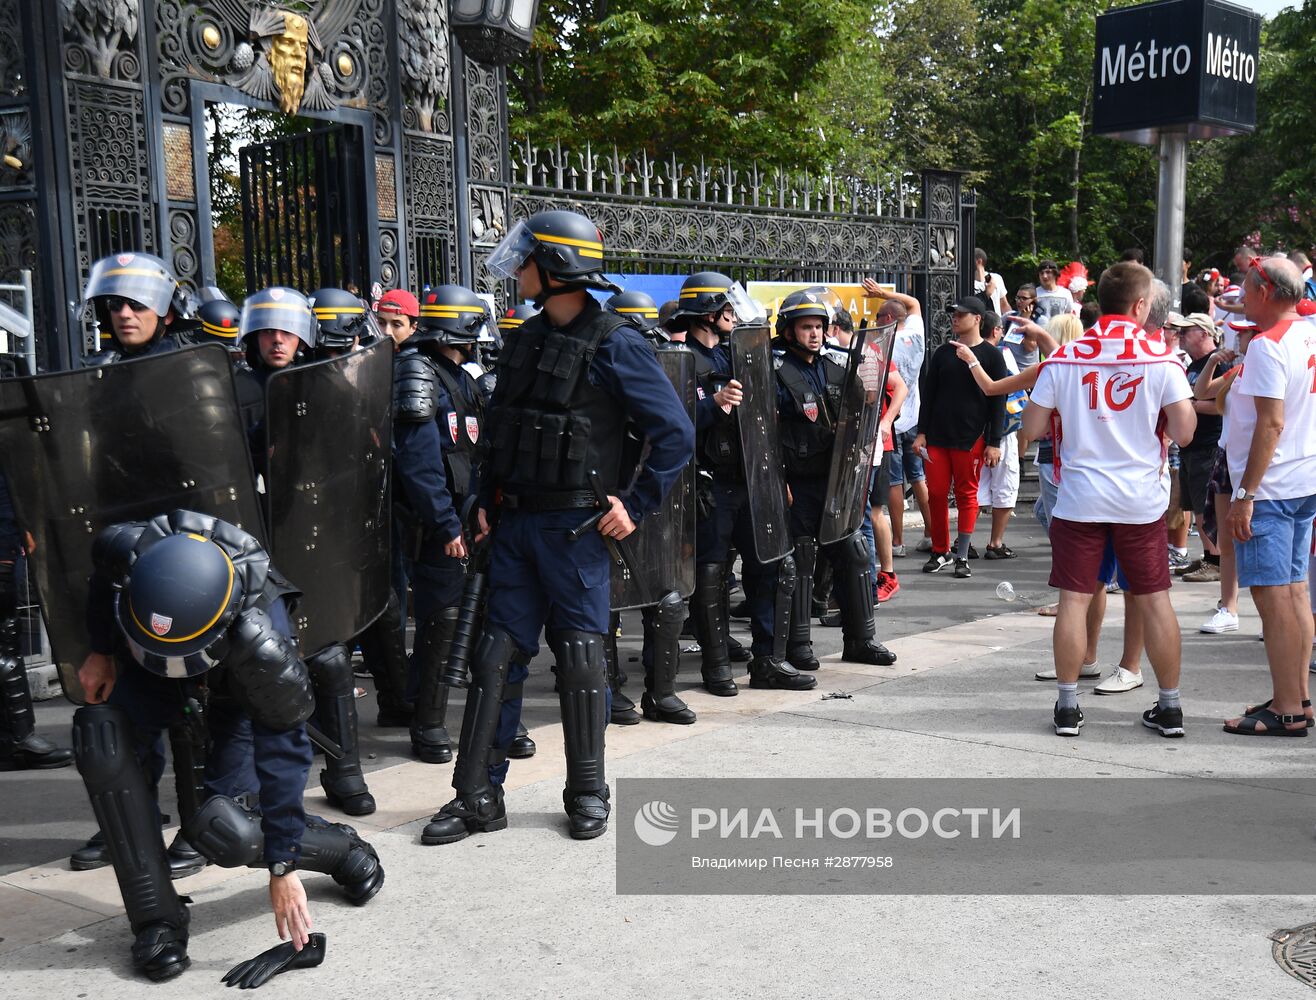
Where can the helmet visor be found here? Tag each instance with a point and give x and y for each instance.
(508, 256)
(132, 276)
(748, 311)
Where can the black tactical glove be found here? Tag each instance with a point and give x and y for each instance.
(256, 972)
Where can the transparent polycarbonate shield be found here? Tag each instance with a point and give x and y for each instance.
(760, 441)
(328, 429)
(863, 398)
(124, 442)
(662, 549)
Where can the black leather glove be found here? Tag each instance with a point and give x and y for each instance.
(256, 972)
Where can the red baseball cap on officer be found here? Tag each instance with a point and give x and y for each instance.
(399, 302)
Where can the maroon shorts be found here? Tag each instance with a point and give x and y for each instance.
(1077, 548)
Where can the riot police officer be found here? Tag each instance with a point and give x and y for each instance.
(436, 397)
(569, 381)
(188, 618)
(137, 304)
(810, 381)
(341, 322)
(217, 322)
(20, 746)
(662, 620)
(278, 330)
(707, 316)
(342, 325)
(136, 299)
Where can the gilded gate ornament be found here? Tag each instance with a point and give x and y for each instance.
(287, 67)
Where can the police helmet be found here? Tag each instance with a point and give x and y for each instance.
(141, 278)
(182, 594)
(564, 245)
(702, 294)
(219, 322)
(514, 316)
(278, 308)
(798, 305)
(636, 307)
(340, 318)
(450, 315)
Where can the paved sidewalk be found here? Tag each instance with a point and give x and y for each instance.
(527, 912)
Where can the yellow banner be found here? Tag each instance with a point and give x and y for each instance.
(769, 294)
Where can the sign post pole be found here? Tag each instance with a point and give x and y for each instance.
(1170, 208)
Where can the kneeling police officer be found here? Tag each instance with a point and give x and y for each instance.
(188, 619)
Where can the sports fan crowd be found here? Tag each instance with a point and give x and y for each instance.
(1157, 414)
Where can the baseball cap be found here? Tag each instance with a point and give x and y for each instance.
(969, 304)
(1190, 321)
(400, 301)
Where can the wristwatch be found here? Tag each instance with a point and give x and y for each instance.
(281, 868)
(1242, 494)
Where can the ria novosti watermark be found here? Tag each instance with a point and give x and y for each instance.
(964, 836)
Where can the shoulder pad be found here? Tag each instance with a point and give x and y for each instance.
(778, 359)
(835, 355)
(487, 383)
(415, 388)
(114, 550)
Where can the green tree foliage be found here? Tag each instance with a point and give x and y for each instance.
(999, 88)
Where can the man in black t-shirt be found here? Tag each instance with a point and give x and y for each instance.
(1197, 338)
(960, 430)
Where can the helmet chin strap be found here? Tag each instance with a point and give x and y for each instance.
(545, 291)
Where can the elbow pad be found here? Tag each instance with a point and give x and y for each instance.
(415, 389)
(267, 673)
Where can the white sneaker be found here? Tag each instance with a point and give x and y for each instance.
(1088, 670)
(924, 545)
(1223, 620)
(1120, 681)
(898, 551)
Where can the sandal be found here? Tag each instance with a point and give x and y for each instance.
(1275, 725)
(1050, 611)
(1306, 704)
(1002, 551)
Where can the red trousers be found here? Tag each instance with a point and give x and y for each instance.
(942, 466)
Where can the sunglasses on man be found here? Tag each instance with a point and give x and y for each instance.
(115, 303)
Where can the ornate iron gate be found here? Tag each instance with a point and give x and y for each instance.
(102, 108)
(303, 207)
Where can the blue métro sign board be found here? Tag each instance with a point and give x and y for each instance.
(1188, 65)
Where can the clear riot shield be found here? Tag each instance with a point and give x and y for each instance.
(751, 366)
(124, 442)
(328, 432)
(862, 401)
(662, 549)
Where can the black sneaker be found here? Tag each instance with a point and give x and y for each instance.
(962, 571)
(1068, 721)
(973, 553)
(937, 562)
(1166, 721)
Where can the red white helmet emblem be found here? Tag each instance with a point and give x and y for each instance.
(452, 426)
(473, 429)
(160, 624)
(124, 259)
(811, 411)
(276, 294)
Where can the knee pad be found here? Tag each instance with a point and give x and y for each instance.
(580, 658)
(669, 611)
(226, 833)
(806, 554)
(852, 550)
(331, 667)
(103, 746)
(787, 575)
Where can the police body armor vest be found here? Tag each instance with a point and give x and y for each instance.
(808, 431)
(718, 447)
(463, 427)
(552, 426)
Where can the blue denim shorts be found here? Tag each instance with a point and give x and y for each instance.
(1279, 551)
(902, 462)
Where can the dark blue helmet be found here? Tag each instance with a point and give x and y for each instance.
(341, 318)
(636, 307)
(450, 315)
(182, 594)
